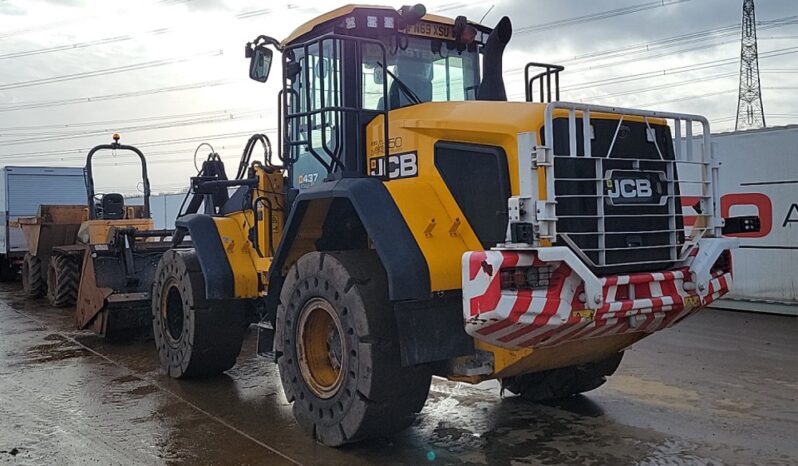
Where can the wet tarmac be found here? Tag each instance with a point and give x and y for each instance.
(720, 388)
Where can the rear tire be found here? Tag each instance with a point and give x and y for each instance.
(564, 382)
(194, 337)
(63, 279)
(338, 351)
(33, 283)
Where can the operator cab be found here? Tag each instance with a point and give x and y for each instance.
(427, 57)
(347, 67)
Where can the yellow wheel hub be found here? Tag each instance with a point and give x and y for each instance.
(321, 347)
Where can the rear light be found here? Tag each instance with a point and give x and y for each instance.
(525, 277)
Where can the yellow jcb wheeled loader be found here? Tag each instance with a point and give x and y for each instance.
(422, 224)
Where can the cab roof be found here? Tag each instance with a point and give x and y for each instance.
(345, 10)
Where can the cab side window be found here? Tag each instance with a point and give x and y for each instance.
(315, 91)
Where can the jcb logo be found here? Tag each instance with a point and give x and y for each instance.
(630, 189)
(633, 187)
(399, 166)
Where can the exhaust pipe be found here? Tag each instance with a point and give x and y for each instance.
(492, 85)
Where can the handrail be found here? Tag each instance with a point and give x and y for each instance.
(90, 176)
(550, 70)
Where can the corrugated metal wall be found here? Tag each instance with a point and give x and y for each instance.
(28, 187)
(164, 208)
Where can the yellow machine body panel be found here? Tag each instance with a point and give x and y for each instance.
(240, 252)
(437, 222)
(509, 363)
(431, 212)
(250, 262)
(98, 231)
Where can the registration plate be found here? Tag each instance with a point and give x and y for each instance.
(434, 30)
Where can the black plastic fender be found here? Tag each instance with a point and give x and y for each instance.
(405, 265)
(219, 280)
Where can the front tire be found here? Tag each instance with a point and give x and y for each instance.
(63, 279)
(338, 350)
(561, 383)
(194, 337)
(33, 283)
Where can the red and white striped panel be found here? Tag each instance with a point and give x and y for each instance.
(514, 319)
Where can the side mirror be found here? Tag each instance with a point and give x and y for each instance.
(260, 63)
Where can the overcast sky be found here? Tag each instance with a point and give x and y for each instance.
(191, 51)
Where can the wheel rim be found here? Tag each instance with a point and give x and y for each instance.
(172, 311)
(321, 347)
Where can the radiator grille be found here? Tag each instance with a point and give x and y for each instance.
(624, 198)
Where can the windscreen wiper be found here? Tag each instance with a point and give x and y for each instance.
(402, 86)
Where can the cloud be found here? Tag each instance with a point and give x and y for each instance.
(201, 25)
(11, 9)
(67, 3)
(209, 5)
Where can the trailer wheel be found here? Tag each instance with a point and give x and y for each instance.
(194, 338)
(33, 283)
(338, 351)
(63, 279)
(564, 382)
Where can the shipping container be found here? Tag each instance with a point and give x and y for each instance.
(759, 176)
(22, 190)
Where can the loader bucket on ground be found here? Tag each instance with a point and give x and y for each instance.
(55, 225)
(113, 302)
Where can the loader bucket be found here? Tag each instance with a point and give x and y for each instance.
(55, 225)
(113, 302)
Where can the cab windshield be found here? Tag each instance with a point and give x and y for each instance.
(432, 69)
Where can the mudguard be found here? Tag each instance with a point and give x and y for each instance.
(207, 243)
(405, 265)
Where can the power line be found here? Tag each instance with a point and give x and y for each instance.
(140, 144)
(116, 39)
(63, 22)
(640, 90)
(80, 45)
(687, 82)
(118, 69)
(120, 95)
(676, 70)
(660, 87)
(106, 122)
(666, 43)
(599, 16)
(130, 129)
(686, 98)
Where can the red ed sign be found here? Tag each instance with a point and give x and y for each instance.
(760, 201)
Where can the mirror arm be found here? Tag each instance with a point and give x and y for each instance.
(262, 40)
